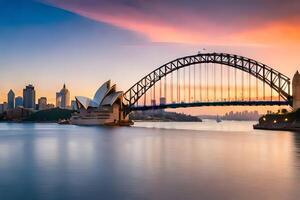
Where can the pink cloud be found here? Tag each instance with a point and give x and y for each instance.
(160, 23)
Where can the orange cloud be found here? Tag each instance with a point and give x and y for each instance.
(274, 33)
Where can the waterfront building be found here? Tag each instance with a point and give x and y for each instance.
(29, 97)
(11, 99)
(104, 109)
(18, 114)
(18, 102)
(42, 103)
(63, 98)
(242, 116)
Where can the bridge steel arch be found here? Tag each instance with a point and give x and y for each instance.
(276, 80)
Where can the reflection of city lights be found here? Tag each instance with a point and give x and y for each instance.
(286, 119)
(275, 121)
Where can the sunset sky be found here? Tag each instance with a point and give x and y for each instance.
(85, 42)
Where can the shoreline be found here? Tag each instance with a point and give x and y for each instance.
(281, 121)
(260, 127)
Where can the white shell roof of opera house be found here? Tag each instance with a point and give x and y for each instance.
(105, 95)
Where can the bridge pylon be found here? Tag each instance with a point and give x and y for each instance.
(296, 90)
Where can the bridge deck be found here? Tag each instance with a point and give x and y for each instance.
(201, 104)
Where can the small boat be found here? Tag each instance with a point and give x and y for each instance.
(120, 123)
(63, 122)
(218, 119)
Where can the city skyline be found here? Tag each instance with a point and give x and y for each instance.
(195, 111)
(62, 98)
(58, 41)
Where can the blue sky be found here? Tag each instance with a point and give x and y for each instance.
(40, 43)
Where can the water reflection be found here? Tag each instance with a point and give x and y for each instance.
(67, 162)
(46, 151)
(296, 157)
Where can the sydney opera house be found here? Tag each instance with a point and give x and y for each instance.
(104, 109)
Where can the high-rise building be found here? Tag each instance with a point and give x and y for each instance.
(29, 97)
(58, 99)
(73, 105)
(42, 102)
(3, 107)
(11, 99)
(63, 98)
(18, 102)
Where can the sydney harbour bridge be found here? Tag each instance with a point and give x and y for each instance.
(209, 79)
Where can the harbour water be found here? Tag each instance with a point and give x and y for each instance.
(152, 160)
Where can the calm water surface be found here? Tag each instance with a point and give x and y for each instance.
(156, 161)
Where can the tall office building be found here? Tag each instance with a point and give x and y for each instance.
(74, 105)
(63, 98)
(42, 103)
(3, 107)
(11, 99)
(29, 97)
(18, 102)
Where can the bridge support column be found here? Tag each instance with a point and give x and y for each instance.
(296, 91)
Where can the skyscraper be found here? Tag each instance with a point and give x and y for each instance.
(63, 98)
(73, 105)
(29, 97)
(18, 102)
(11, 99)
(3, 107)
(42, 103)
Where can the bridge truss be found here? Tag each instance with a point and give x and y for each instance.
(209, 79)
